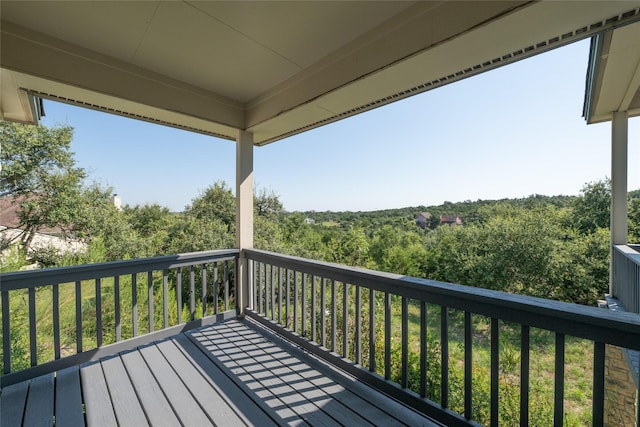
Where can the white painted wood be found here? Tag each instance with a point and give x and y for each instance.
(244, 212)
(619, 162)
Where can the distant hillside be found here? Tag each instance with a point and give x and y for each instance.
(467, 210)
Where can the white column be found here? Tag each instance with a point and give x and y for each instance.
(619, 142)
(244, 212)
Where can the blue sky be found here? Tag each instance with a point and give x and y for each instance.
(507, 133)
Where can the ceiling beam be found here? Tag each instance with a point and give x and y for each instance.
(632, 90)
(34, 54)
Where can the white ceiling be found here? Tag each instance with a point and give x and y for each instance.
(272, 68)
(617, 85)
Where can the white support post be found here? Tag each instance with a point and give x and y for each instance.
(244, 214)
(619, 215)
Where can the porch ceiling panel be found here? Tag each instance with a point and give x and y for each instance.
(274, 68)
(617, 79)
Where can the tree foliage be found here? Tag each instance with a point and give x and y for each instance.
(593, 209)
(39, 172)
(551, 247)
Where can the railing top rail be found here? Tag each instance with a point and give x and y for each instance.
(622, 329)
(630, 251)
(47, 276)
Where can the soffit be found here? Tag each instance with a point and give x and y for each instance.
(617, 83)
(273, 68)
(235, 49)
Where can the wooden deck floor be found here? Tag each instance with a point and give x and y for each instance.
(227, 374)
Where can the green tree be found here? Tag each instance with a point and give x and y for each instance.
(217, 202)
(267, 204)
(39, 171)
(153, 222)
(101, 223)
(593, 208)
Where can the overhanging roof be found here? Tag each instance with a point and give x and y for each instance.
(613, 78)
(272, 68)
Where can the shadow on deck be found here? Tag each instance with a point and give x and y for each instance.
(230, 373)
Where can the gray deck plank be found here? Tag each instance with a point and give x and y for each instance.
(334, 399)
(69, 398)
(183, 402)
(370, 403)
(125, 402)
(156, 406)
(312, 383)
(251, 370)
(98, 407)
(233, 373)
(12, 401)
(239, 394)
(208, 395)
(39, 409)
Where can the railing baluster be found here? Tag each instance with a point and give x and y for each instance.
(134, 303)
(286, 298)
(524, 375)
(216, 291)
(32, 327)
(495, 370)
(116, 297)
(254, 284)
(558, 401)
(358, 337)
(387, 335)
(179, 293)
(234, 272)
(226, 285)
(165, 297)
(345, 319)
(273, 292)
(468, 365)
(150, 300)
(260, 304)
(423, 348)
(204, 290)
(295, 301)
(78, 317)
(267, 289)
(98, 313)
(323, 312)
(192, 293)
(280, 295)
(313, 309)
(372, 330)
(6, 333)
(444, 356)
(304, 304)
(404, 377)
(599, 350)
(334, 316)
(56, 322)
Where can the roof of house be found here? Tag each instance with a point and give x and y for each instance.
(9, 207)
(450, 219)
